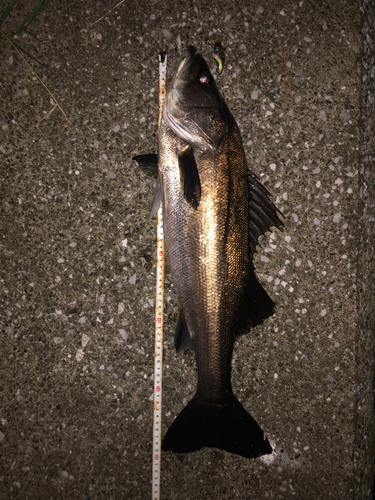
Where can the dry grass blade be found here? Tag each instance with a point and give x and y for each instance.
(44, 117)
(27, 54)
(105, 15)
(57, 105)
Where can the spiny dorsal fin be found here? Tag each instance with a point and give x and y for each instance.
(262, 212)
(257, 305)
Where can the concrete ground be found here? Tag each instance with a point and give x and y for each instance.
(78, 251)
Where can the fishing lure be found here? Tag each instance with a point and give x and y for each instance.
(219, 55)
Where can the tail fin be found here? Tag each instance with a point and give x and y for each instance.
(228, 427)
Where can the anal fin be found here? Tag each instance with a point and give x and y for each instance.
(182, 337)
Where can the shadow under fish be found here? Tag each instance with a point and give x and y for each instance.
(214, 211)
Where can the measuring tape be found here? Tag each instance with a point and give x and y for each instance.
(162, 82)
(159, 309)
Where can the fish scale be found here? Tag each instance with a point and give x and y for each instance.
(208, 249)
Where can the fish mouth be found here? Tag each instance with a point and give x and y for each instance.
(182, 73)
(190, 52)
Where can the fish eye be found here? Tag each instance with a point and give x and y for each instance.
(204, 78)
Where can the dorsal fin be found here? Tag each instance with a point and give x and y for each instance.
(262, 212)
(257, 305)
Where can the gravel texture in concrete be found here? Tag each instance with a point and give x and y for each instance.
(77, 251)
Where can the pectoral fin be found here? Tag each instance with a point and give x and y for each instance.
(190, 177)
(148, 163)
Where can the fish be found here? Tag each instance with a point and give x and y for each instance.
(214, 211)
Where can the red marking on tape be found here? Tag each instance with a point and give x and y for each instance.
(156, 457)
(158, 388)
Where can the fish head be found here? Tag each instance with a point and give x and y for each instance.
(194, 108)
